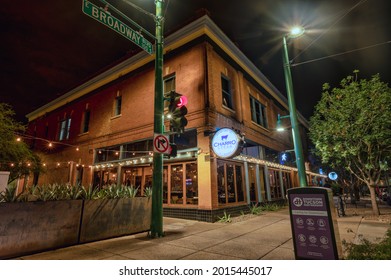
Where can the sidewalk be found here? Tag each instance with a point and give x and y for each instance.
(267, 236)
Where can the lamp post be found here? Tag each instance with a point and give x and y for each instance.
(296, 32)
(157, 178)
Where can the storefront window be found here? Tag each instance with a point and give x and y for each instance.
(286, 179)
(191, 183)
(275, 188)
(221, 182)
(230, 182)
(165, 184)
(253, 184)
(176, 184)
(107, 154)
(239, 183)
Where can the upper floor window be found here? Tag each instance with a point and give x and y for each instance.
(169, 83)
(258, 112)
(86, 121)
(117, 105)
(227, 92)
(65, 126)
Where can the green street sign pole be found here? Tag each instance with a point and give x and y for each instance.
(157, 179)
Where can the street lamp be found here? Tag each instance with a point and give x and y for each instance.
(295, 32)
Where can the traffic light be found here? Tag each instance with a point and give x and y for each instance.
(173, 152)
(177, 112)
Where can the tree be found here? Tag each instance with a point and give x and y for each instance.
(351, 127)
(15, 156)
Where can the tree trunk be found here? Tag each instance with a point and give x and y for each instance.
(375, 208)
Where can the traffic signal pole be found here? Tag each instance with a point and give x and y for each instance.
(157, 179)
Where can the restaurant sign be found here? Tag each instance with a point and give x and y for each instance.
(226, 143)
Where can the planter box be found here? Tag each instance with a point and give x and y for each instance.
(109, 218)
(30, 227)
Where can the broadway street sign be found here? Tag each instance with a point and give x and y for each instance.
(115, 24)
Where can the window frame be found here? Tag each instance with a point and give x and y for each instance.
(227, 94)
(86, 121)
(117, 106)
(258, 112)
(64, 129)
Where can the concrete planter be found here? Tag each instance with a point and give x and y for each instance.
(30, 227)
(109, 218)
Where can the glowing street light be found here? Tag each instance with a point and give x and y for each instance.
(294, 33)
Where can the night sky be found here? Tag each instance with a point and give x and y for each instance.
(49, 46)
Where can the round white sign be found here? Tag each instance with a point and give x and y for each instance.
(225, 143)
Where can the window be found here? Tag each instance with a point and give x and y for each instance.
(117, 105)
(169, 84)
(65, 126)
(230, 182)
(227, 92)
(176, 184)
(86, 121)
(258, 112)
(108, 154)
(275, 187)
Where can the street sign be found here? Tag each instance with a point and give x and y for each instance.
(115, 24)
(161, 144)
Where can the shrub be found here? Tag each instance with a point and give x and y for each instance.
(256, 210)
(368, 250)
(225, 219)
(67, 192)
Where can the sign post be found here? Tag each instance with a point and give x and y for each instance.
(158, 128)
(104, 17)
(314, 224)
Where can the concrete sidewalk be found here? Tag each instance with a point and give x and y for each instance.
(267, 236)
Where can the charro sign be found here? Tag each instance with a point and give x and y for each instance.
(226, 143)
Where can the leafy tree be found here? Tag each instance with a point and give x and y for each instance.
(15, 156)
(351, 127)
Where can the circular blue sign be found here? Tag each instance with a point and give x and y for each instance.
(333, 176)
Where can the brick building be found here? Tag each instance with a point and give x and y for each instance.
(101, 132)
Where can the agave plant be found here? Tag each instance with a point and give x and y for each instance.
(45, 193)
(130, 191)
(74, 192)
(9, 195)
(148, 192)
(256, 210)
(89, 193)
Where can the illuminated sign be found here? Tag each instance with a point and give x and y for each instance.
(226, 143)
(333, 176)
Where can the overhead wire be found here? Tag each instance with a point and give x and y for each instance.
(328, 29)
(333, 55)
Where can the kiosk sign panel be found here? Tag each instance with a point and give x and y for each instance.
(313, 228)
